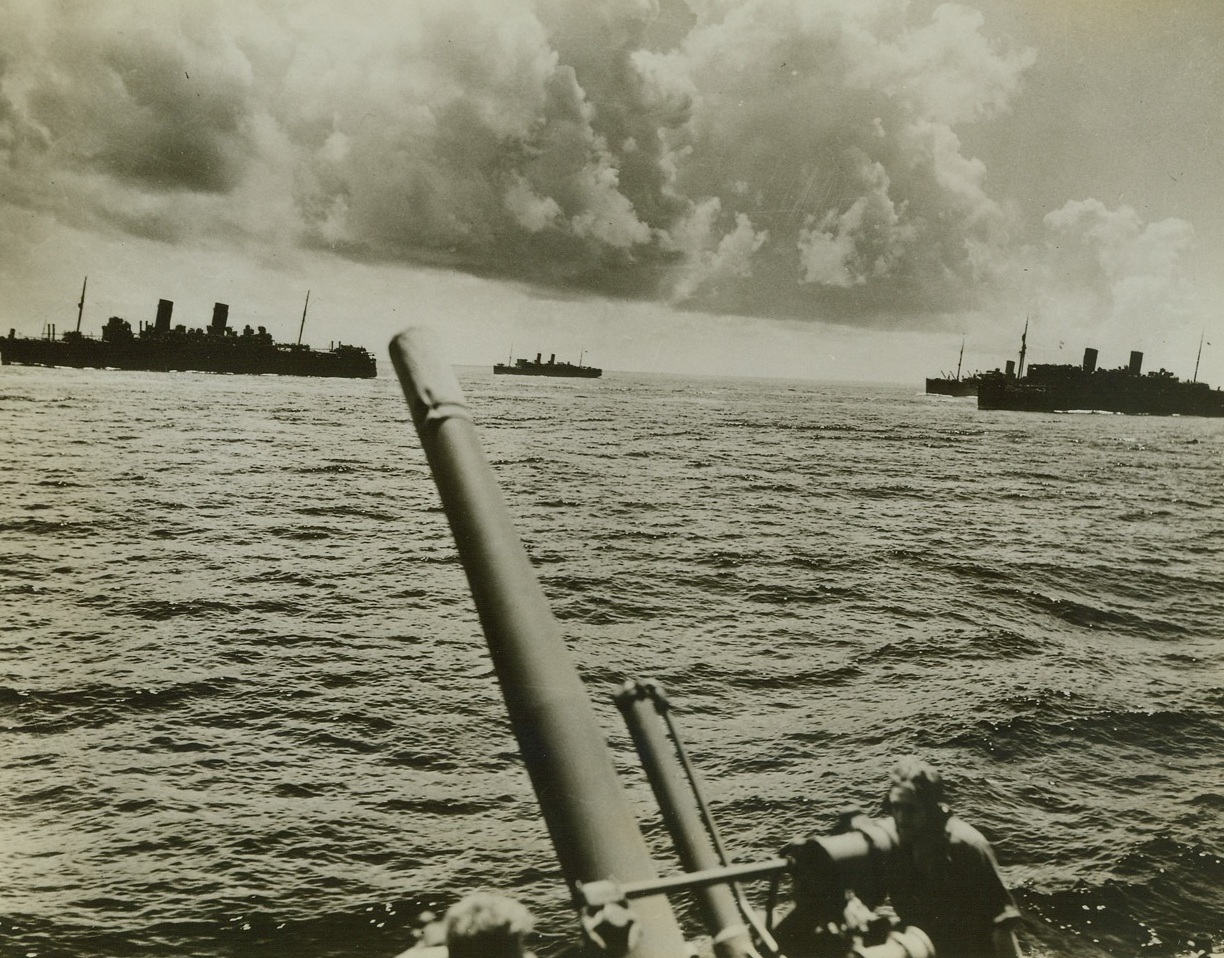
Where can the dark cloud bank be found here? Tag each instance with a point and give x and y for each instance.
(787, 158)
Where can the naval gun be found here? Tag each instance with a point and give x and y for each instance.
(621, 902)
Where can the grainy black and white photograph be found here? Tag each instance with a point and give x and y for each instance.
(645, 478)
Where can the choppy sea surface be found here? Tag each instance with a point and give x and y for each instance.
(246, 709)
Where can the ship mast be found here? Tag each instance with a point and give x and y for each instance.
(959, 358)
(1200, 356)
(81, 306)
(1023, 347)
(303, 326)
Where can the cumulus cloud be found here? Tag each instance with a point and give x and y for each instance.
(142, 119)
(1107, 269)
(769, 157)
(861, 243)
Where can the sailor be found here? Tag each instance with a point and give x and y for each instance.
(482, 925)
(485, 925)
(943, 876)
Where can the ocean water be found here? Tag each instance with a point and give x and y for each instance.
(246, 709)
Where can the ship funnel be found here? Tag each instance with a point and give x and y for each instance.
(1010, 372)
(220, 317)
(164, 308)
(538, 358)
(552, 358)
(1090, 360)
(1136, 363)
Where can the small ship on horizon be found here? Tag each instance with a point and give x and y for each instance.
(161, 348)
(536, 367)
(954, 385)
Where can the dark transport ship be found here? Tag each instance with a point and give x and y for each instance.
(948, 385)
(1055, 388)
(953, 386)
(160, 347)
(528, 367)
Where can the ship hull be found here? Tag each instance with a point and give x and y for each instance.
(222, 355)
(950, 387)
(557, 370)
(1135, 396)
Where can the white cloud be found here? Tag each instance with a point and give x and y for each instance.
(1121, 274)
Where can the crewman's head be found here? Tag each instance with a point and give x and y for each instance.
(915, 799)
(485, 925)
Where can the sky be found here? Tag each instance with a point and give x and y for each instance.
(820, 189)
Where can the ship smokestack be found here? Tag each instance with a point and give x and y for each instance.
(1010, 372)
(164, 308)
(1090, 360)
(220, 318)
(1136, 362)
(552, 358)
(538, 358)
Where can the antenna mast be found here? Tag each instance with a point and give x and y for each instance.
(1023, 347)
(81, 308)
(959, 358)
(1200, 356)
(303, 326)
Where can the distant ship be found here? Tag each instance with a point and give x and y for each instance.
(1055, 388)
(954, 385)
(528, 367)
(158, 347)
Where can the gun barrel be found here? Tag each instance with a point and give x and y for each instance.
(693, 836)
(584, 806)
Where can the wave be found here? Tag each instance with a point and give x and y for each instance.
(95, 705)
(1048, 723)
